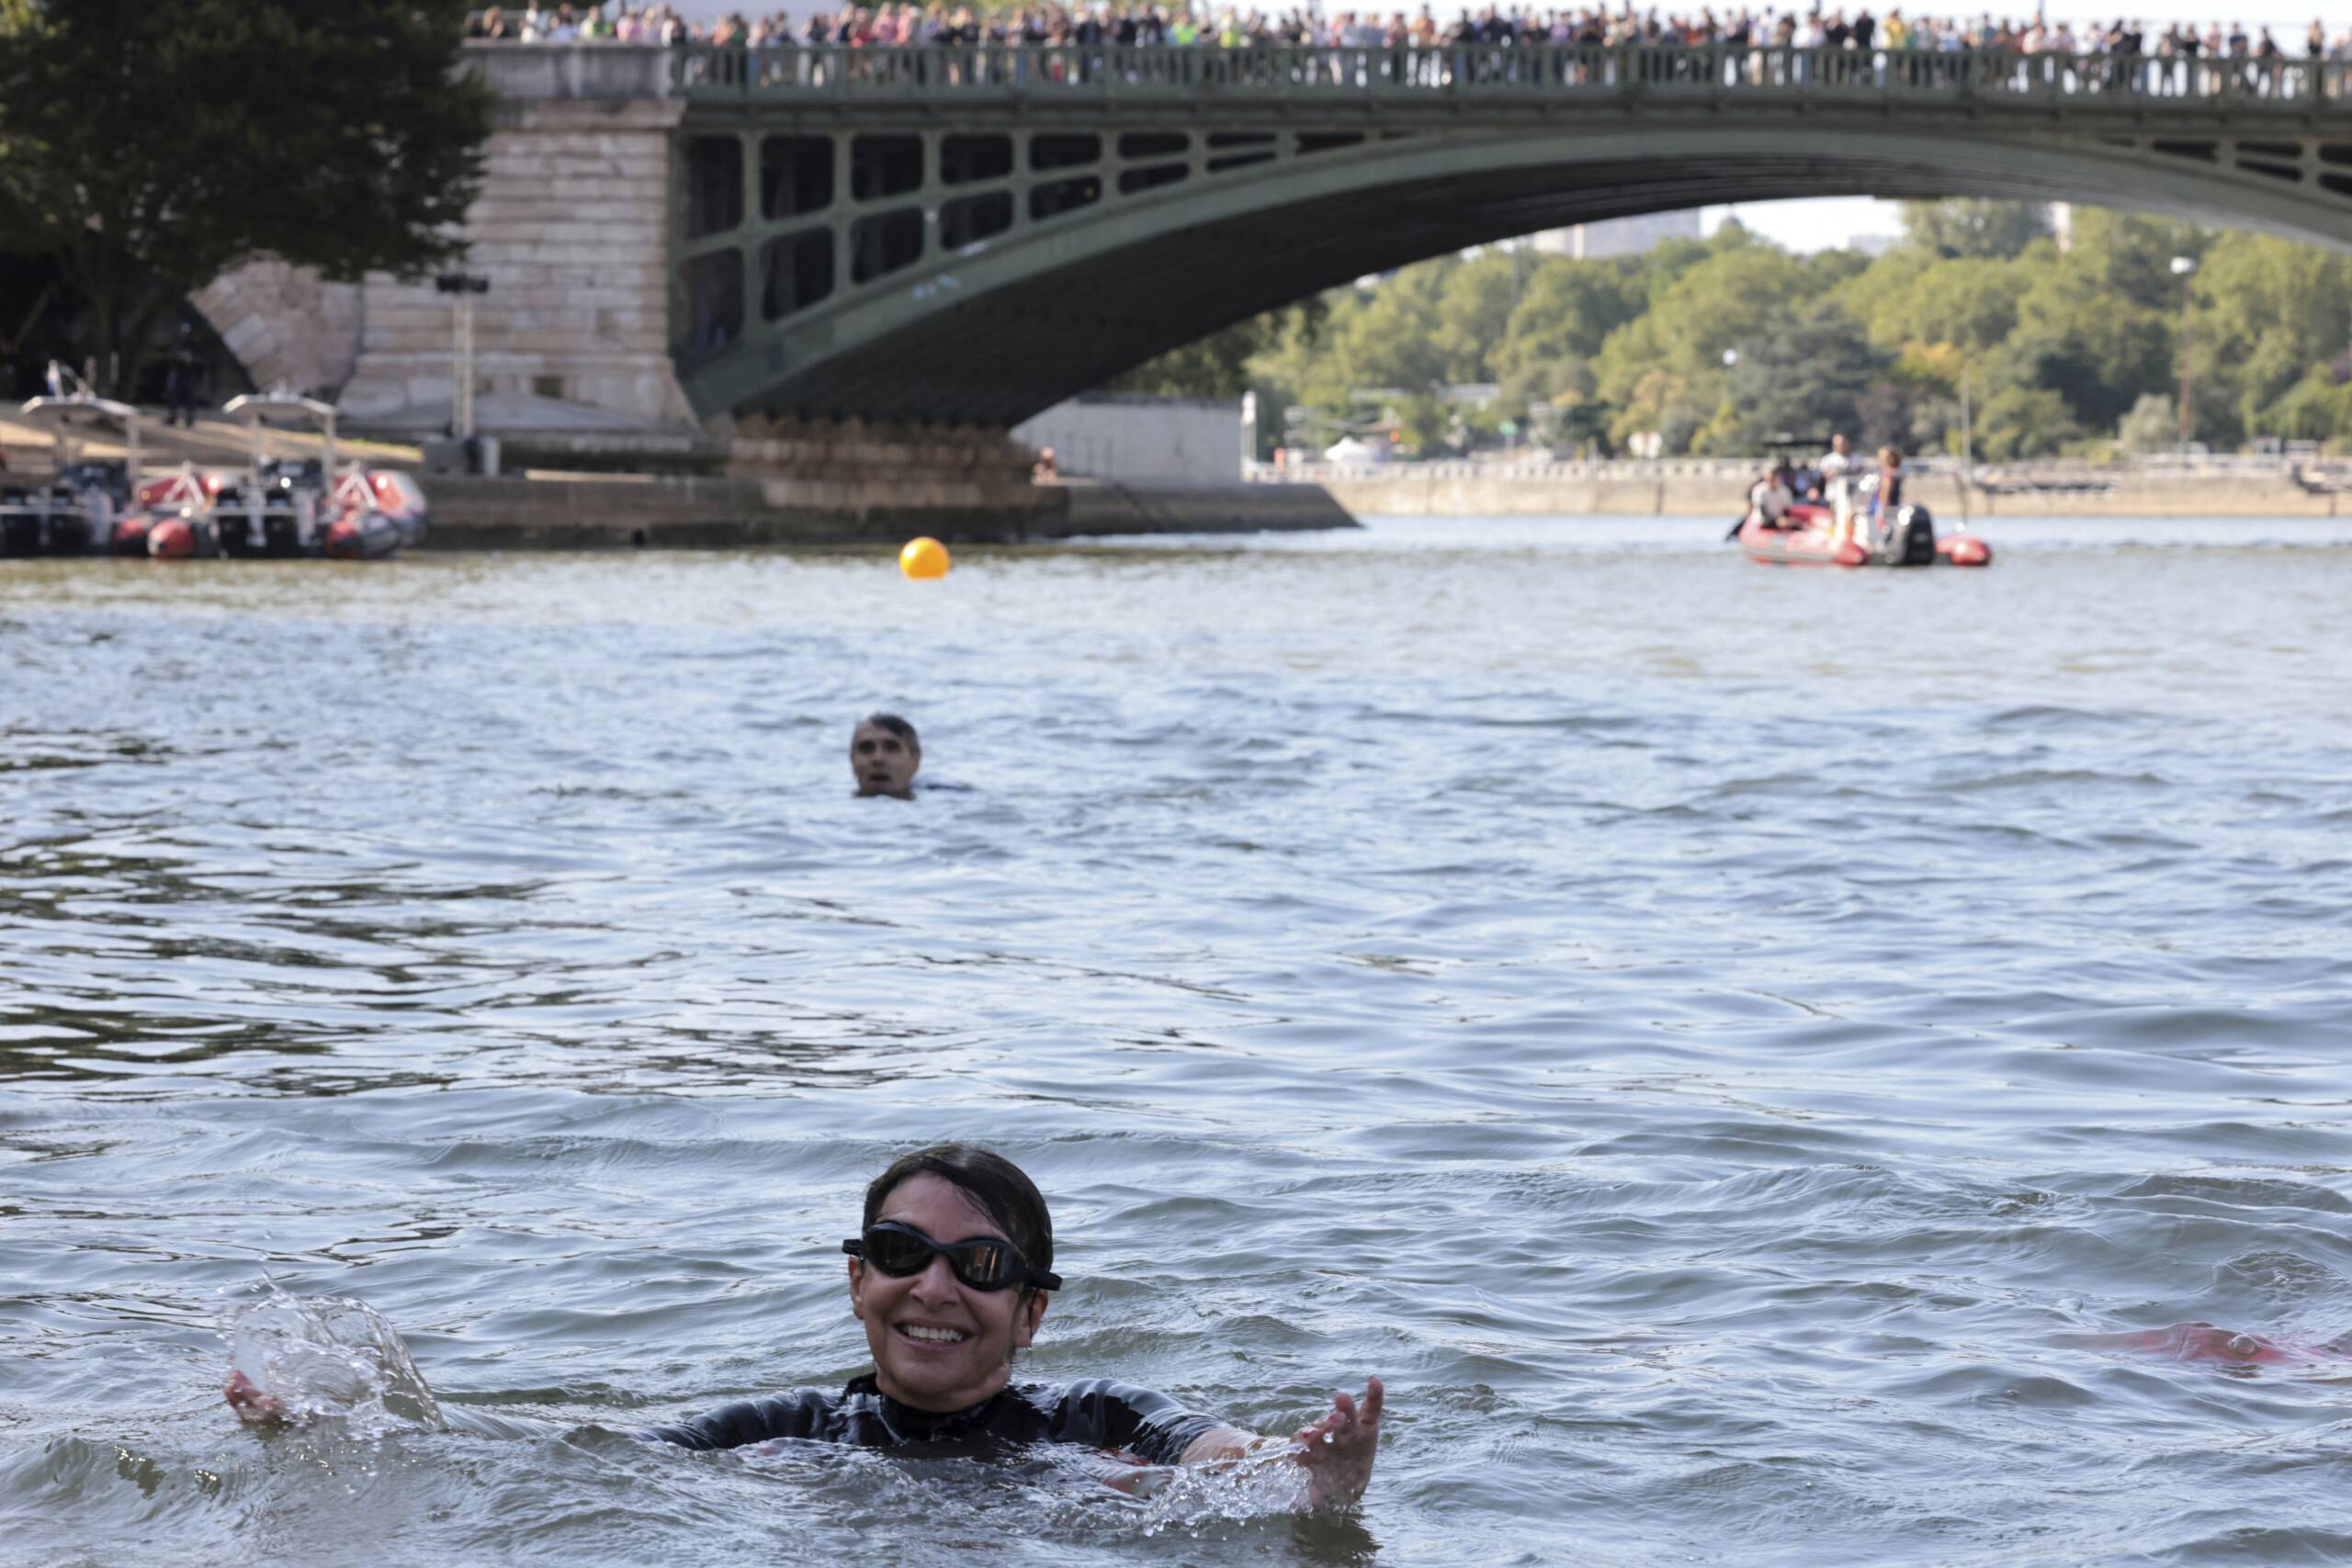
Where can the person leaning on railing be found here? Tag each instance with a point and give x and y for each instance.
(1592, 46)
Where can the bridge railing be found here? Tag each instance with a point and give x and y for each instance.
(998, 72)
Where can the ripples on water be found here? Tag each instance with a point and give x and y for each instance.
(1721, 1042)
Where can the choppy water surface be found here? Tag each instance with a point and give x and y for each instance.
(1721, 1042)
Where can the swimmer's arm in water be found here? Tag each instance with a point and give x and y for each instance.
(1337, 1450)
(259, 1408)
(255, 1407)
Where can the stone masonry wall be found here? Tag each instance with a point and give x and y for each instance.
(853, 468)
(571, 228)
(286, 326)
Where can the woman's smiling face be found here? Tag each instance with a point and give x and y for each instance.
(938, 1343)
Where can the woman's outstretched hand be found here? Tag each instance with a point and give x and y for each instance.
(253, 1405)
(1338, 1451)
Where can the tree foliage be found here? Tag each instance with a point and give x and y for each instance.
(1972, 227)
(1218, 365)
(2150, 426)
(2075, 346)
(1804, 381)
(147, 148)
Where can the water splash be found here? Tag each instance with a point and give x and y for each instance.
(329, 1357)
(1187, 1496)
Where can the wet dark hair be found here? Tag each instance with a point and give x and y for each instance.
(1000, 1187)
(906, 732)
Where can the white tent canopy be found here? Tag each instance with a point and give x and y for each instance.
(1347, 449)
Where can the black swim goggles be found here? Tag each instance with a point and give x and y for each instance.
(984, 1263)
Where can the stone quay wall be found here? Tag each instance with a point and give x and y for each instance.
(866, 472)
(591, 513)
(790, 482)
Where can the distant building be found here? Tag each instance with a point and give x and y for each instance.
(1618, 236)
(1125, 437)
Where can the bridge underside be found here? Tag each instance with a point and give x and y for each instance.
(991, 331)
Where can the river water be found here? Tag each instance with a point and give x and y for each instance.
(1733, 1048)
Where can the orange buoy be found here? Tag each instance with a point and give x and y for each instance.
(923, 559)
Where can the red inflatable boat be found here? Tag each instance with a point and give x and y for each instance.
(1808, 536)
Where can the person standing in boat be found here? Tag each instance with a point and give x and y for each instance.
(1886, 497)
(1832, 472)
(1769, 497)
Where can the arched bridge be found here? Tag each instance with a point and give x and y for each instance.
(972, 233)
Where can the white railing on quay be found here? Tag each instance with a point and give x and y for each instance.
(1735, 470)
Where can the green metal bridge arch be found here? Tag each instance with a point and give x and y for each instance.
(969, 235)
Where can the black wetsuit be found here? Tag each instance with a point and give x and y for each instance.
(1098, 1413)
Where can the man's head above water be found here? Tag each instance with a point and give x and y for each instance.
(884, 753)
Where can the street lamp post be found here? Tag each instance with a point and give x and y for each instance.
(2184, 268)
(1967, 445)
(464, 285)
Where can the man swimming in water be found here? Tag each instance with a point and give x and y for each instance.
(883, 754)
(944, 1320)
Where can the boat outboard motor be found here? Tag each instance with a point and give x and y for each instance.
(21, 512)
(277, 518)
(97, 492)
(1911, 541)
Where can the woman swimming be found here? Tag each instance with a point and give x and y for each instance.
(943, 1319)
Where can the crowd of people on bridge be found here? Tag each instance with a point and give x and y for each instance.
(1176, 26)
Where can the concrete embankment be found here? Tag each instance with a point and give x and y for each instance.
(791, 482)
(607, 512)
(1401, 492)
(1152, 507)
(784, 485)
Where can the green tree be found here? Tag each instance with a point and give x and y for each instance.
(2075, 337)
(1664, 371)
(1970, 303)
(2317, 408)
(2153, 424)
(1968, 227)
(2024, 422)
(2132, 256)
(1663, 267)
(2267, 311)
(1552, 399)
(1423, 421)
(1219, 365)
(148, 148)
(2057, 349)
(1388, 336)
(1804, 380)
(1474, 309)
(1568, 309)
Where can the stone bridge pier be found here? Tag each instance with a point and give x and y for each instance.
(572, 230)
